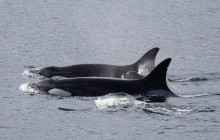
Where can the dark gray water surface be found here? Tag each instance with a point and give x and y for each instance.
(44, 33)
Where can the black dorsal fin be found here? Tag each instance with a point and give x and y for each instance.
(157, 77)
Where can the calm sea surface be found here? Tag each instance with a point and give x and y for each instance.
(36, 34)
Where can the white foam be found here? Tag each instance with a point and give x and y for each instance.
(112, 101)
(29, 88)
(196, 95)
(32, 73)
(180, 111)
(116, 101)
(167, 110)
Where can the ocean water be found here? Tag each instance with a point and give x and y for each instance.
(36, 34)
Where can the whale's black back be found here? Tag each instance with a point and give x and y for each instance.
(146, 63)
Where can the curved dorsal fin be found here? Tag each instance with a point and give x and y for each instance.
(147, 61)
(157, 77)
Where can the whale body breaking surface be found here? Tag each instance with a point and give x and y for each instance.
(98, 86)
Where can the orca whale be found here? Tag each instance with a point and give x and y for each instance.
(146, 63)
(154, 84)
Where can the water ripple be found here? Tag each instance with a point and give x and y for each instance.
(192, 79)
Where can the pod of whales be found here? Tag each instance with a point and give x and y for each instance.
(146, 63)
(154, 84)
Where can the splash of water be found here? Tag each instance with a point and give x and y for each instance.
(112, 100)
(32, 73)
(29, 88)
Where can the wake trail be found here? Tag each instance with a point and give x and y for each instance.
(199, 95)
(191, 79)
